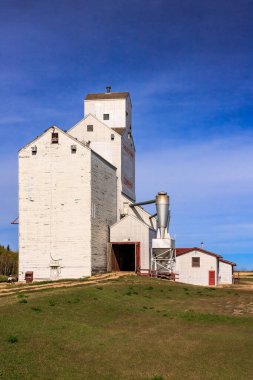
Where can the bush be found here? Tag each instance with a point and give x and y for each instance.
(23, 300)
(12, 339)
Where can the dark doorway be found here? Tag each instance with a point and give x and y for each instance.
(123, 257)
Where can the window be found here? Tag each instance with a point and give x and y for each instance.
(195, 262)
(89, 128)
(73, 149)
(129, 135)
(55, 138)
(106, 116)
(34, 150)
(112, 136)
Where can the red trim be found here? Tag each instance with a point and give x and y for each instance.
(228, 262)
(124, 242)
(182, 251)
(137, 245)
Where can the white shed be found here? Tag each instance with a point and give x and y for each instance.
(130, 245)
(197, 266)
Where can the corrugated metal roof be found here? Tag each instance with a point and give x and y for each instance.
(107, 95)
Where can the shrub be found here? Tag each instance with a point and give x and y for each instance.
(38, 309)
(51, 303)
(23, 300)
(12, 339)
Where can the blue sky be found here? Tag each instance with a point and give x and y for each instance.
(188, 66)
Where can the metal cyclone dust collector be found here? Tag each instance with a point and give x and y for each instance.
(162, 209)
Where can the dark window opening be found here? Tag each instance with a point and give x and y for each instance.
(73, 148)
(55, 138)
(106, 116)
(112, 136)
(195, 262)
(34, 150)
(123, 257)
(89, 128)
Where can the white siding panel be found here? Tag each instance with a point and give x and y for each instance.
(225, 273)
(54, 208)
(131, 229)
(104, 213)
(116, 108)
(195, 276)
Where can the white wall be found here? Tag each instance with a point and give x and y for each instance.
(54, 208)
(101, 143)
(131, 229)
(225, 273)
(195, 276)
(104, 210)
(138, 212)
(116, 108)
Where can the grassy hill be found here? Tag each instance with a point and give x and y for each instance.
(131, 328)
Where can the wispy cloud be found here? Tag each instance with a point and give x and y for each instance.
(211, 187)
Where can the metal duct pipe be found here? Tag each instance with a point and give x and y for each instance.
(152, 216)
(162, 208)
(142, 203)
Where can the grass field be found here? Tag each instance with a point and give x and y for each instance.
(131, 328)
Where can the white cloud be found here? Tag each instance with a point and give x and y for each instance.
(211, 187)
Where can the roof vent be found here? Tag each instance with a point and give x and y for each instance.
(108, 89)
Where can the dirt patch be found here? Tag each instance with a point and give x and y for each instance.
(9, 289)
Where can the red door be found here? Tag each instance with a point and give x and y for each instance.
(211, 277)
(137, 258)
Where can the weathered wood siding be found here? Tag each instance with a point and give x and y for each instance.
(103, 210)
(54, 208)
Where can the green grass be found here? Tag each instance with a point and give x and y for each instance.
(133, 328)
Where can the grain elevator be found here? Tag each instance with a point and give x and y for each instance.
(77, 210)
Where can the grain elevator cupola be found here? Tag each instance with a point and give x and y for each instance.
(114, 108)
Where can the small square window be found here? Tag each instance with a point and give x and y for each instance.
(89, 128)
(112, 136)
(55, 138)
(106, 116)
(195, 262)
(73, 149)
(34, 150)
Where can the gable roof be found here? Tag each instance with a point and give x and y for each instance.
(54, 127)
(107, 95)
(117, 130)
(136, 219)
(182, 251)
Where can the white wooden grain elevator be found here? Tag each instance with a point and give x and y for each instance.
(76, 185)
